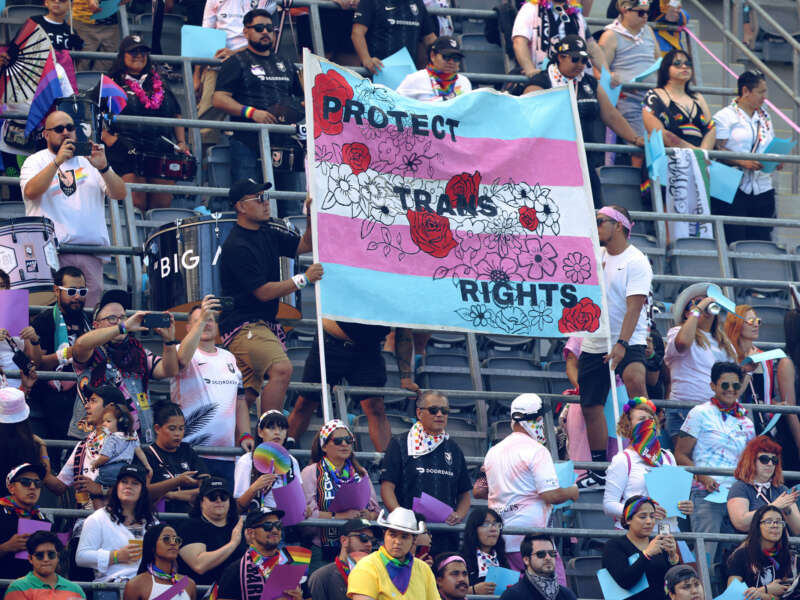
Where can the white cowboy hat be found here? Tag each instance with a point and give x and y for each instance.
(682, 301)
(401, 519)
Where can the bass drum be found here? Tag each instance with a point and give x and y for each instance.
(182, 261)
(29, 256)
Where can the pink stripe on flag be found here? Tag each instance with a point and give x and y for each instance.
(566, 257)
(531, 160)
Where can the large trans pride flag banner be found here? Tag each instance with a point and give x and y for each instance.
(467, 215)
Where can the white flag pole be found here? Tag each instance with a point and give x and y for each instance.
(614, 399)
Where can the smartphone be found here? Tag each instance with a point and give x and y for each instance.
(663, 528)
(226, 303)
(83, 149)
(156, 320)
(22, 361)
(202, 476)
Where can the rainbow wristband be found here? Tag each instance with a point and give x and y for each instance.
(248, 111)
(245, 436)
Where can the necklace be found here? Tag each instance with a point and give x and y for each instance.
(152, 102)
(172, 576)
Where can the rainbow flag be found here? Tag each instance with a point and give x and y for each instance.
(298, 554)
(47, 92)
(80, 173)
(473, 214)
(117, 99)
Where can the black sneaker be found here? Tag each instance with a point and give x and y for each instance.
(591, 481)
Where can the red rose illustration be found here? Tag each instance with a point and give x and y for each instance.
(431, 232)
(464, 185)
(528, 218)
(356, 156)
(334, 85)
(584, 316)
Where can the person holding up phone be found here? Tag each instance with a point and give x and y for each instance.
(70, 190)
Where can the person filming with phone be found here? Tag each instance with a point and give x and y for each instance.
(67, 184)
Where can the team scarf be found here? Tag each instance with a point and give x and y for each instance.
(399, 571)
(644, 441)
(172, 576)
(444, 84)
(328, 481)
(735, 410)
(254, 568)
(10, 505)
(573, 6)
(557, 78)
(420, 443)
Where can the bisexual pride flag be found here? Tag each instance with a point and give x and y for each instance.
(472, 214)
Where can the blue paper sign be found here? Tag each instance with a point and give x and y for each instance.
(201, 42)
(772, 422)
(656, 155)
(669, 485)
(612, 590)
(107, 8)
(776, 146)
(715, 293)
(566, 478)
(648, 71)
(502, 578)
(395, 68)
(721, 495)
(761, 357)
(608, 409)
(725, 181)
(686, 555)
(735, 591)
(612, 92)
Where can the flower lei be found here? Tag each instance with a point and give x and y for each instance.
(764, 119)
(154, 101)
(573, 6)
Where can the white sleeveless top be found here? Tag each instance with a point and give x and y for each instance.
(160, 588)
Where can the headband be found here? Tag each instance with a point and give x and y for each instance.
(328, 429)
(631, 509)
(448, 560)
(269, 413)
(636, 402)
(618, 217)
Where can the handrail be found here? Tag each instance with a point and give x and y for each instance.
(780, 29)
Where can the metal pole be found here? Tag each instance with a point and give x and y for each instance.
(341, 404)
(316, 30)
(266, 167)
(133, 236)
(116, 234)
(700, 551)
(477, 383)
(197, 140)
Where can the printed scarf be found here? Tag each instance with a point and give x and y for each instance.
(772, 556)
(764, 130)
(254, 568)
(547, 586)
(328, 481)
(485, 561)
(645, 442)
(399, 570)
(444, 84)
(735, 410)
(172, 576)
(558, 79)
(420, 443)
(10, 505)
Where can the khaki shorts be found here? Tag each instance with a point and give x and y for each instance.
(256, 349)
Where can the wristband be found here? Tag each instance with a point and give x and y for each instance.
(622, 343)
(104, 169)
(114, 557)
(36, 343)
(247, 112)
(245, 436)
(300, 281)
(172, 343)
(121, 326)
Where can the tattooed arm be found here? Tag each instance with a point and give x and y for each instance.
(404, 353)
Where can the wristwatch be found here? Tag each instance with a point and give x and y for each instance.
(622, 343)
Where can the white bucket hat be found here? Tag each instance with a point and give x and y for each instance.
(401, 519)
(13, 408)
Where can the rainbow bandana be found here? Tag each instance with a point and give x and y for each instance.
(10, 505)
(645, 441)
(444, 84)
(399, 570)
(734, 410)
(628, 513)
(419, 442)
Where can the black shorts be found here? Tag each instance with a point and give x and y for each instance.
(593, 379)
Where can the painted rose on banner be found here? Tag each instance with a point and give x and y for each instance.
(427, 217)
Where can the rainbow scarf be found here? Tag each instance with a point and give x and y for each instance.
(645, 441)
(419, 442)
(772, 556)
(444, 84)
(399, 570)
(10, 505)
(735, 410)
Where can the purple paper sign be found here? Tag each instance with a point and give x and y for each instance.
(352, 495)
(291, 500)
(30, 526)
(431, 508)
(282, 578)
(13, 310)
(64, 538)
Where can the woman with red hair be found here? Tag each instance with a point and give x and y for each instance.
(759, 481)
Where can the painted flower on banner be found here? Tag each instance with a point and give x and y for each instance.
(513, 320)
(331, 84)
(343, 190)
(541, 315)
(431, 233)
(503, 231)
(356, 156)
(528, 218)
(382, 206)
(547, 212)
(584, 316)
(464, 186)
(577, 267)
(479, 315)
(499, 269)
(539, 259)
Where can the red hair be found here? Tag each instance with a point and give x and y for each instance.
(746, 469)
(733, 327)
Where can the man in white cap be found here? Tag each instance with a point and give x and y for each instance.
(522, 479)
(392, 572)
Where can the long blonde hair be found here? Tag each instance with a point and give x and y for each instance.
(717, 332)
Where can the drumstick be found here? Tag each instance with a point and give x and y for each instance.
(171, 143)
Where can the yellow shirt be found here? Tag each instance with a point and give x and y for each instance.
(369, 577)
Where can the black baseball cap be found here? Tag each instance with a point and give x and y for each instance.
(132, 471)
(18, 471)
(573, 45)
(245, 187)
(354, 525)
(131, 42)
(447, 46)
(214, 484)
(109, 393)
(113, 296)
(257, 515)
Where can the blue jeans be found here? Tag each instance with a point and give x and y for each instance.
(221, 468)
(707, 518)
(244, 162)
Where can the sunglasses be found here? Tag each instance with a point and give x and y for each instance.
(600, 222)
(261, 198)
(342, 440)
(218, 496)
(641, 12)
(540, 554)
(435, 410)
(734, 386)
(262, 27)
(682, 63)
(28, 482)
(755, 321)
(363, 537)
(765, 459)
(74, 291)
(61, 128)
(578, 59)
(170, 539)
(270, 525)
(138, 52)
(45, 554)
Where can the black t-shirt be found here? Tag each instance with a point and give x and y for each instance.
(738, 564)
(441, 473)
(11, 567)
(588, 105)
(392, 24)
(249, 259)
(200, 531)
(59, 34)
(167, 465)
(364, 335)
